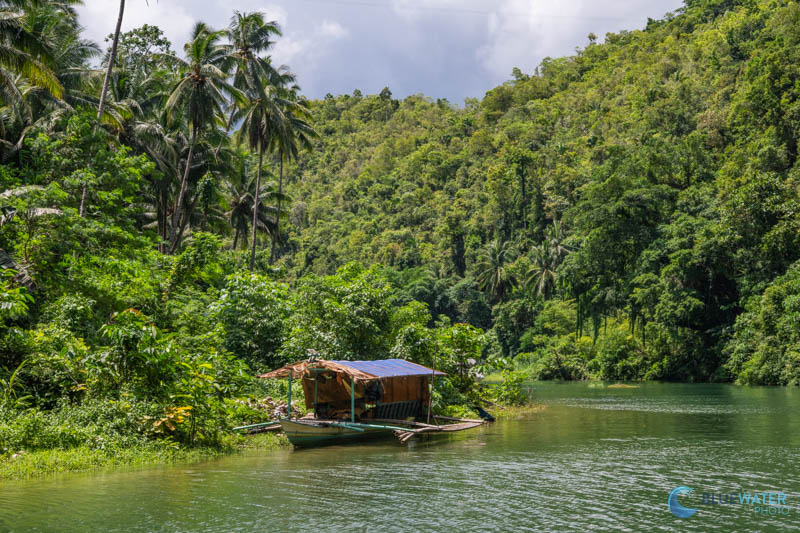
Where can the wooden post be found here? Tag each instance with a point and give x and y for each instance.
(316, 377)
(352, 400)
(430, 397)
(289, 406)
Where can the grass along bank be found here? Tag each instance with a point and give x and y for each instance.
(105, 434)
(39, 463)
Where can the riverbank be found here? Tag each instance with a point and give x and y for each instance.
(49, 462)
(614, 454)
(42, 463)
(516, 412)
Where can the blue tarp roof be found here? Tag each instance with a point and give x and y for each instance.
(391, 368)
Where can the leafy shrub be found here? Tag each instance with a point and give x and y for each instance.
(765, 347)
(74, 312)
(56, 365)
(510, 390)
(560, 358)
(252, 312)
(344, 316)
(94, 423)
(618, 357)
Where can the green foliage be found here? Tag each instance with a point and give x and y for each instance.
(195, 264)
(652, 218)
(97, 424)
(8, 390)
(561, 358)
(343, 316)
(553, 228)
(617, 357)
(252, 312)
(765, 347)
(510, 390)
(14, 300)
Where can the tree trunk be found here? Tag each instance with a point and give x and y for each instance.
(176, 214)
(278, 219)
(184, 223)
(162, 246)
(82, 208)
(112, 57)
(236, 238)
(101, 106)
(255, 207)
(160, 222)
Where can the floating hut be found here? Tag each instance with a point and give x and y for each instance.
(355, 400)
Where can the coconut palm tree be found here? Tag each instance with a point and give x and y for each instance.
(22, 54)
(555, 236)
(111, 58)
(542, 274)
(55, 26)
(249, 35)
(262, 121)
(198, 98)
(297, 134)
(493, 274)
(241, 206)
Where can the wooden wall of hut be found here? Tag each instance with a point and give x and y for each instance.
(405, 389)
(334, 389)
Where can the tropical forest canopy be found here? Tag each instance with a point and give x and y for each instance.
(629, 212)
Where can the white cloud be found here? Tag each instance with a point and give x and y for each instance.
(523, 32)
(276, 13)
(308, 48)
(99, 17)
(443, 48)
(332, 29)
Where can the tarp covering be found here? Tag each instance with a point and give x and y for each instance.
(326, 384)
(357, 370)
(390, 368)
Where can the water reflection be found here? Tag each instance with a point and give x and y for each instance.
(593, 459)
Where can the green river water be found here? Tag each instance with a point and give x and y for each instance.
(593, 459)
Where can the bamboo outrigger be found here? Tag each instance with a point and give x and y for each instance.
(358, 400)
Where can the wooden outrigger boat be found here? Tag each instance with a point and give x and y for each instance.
(361, 400)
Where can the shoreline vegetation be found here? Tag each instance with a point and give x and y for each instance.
(23, 465)
(52, 462)
(624, 214)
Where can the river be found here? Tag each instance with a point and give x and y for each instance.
(592, 459)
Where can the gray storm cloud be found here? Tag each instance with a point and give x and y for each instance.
(441, 48)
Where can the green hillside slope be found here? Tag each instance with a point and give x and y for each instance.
(630, 211)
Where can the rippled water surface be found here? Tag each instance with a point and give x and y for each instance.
(593, 459)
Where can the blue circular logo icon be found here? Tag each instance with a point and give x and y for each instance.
(677, 509)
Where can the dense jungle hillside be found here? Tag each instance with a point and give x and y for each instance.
(628, 212)
(173, 225)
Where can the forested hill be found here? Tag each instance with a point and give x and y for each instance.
(629, 211)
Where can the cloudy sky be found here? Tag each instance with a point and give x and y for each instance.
(443, 48)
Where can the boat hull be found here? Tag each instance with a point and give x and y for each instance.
(310, 433)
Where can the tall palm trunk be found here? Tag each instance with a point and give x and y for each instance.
(255, 207)
(162, 246)
(111, 58)
(236, 238)
(101, 106)
(278, 219)
(176, 214)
